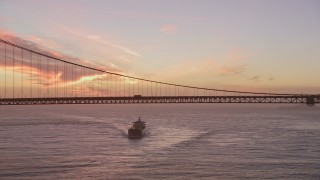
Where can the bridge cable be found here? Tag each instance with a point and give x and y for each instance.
(5, 70)
(13, 71)
(22, 73)
(147, 80)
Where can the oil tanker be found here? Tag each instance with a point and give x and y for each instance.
(137, 130)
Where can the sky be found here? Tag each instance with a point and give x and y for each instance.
(255, 45)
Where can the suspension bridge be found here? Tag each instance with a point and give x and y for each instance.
(33, 77)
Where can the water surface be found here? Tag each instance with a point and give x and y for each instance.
(184, 141)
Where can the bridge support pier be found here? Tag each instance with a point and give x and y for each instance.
(310, 100)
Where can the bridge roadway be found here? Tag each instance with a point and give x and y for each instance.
(288, 99)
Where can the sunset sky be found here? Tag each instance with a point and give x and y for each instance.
(256, 45)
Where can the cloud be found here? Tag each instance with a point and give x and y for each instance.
(236, 55)
(125, 49)
(235, 63)
(42, 42)
(100, 40)
(188, 72)
(5, 19)
(169, 28)
(43, 70)
(232, 69)
(255, 78)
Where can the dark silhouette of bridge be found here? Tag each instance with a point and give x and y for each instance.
(32, 77)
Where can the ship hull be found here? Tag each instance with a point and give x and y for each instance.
(135, 133)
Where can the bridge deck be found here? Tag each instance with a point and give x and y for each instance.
(296, 99)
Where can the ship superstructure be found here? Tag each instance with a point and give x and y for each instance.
(137, 130)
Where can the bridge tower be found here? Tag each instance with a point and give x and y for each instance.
(310, 100)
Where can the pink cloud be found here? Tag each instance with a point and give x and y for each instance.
(169, 28)
(255, 78)
(235, 69)
(236, 55)
(100, 40)
(42, 70)
(231, 68)
(5, 19)
(235, 64)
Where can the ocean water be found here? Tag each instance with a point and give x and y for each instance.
(183, 141)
